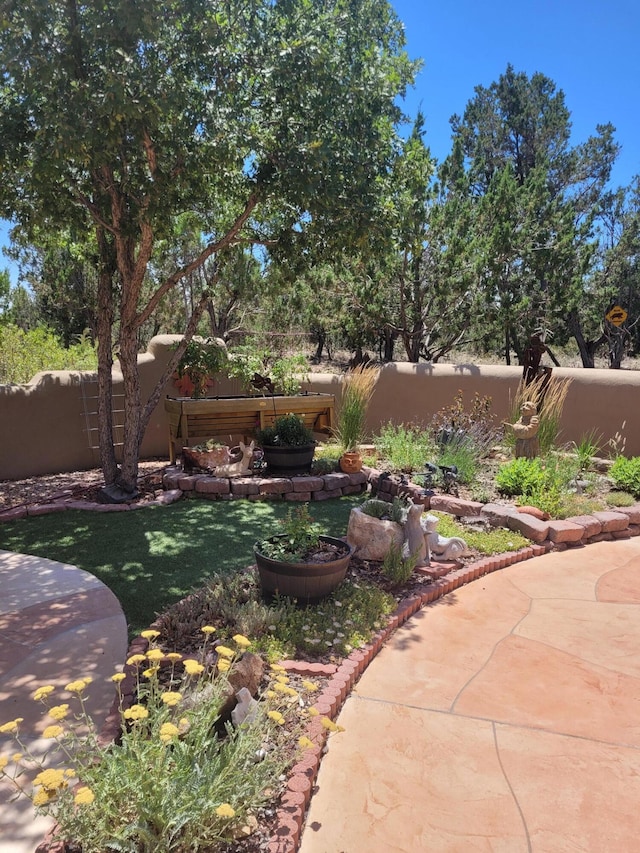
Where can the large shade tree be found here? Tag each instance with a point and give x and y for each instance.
(272, 121)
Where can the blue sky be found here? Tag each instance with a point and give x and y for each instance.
(589, 48)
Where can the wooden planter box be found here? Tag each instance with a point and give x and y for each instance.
(227, 419)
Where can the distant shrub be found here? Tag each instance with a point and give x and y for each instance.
(625, 473)
(23, 354)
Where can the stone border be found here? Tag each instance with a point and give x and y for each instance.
(254, 488)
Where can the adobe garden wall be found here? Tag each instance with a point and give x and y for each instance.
(49, 425)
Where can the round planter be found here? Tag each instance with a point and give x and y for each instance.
(285, 461)
(351, 462)
(307, 582)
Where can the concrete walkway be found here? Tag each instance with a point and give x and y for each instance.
(57, 624)
(505, 717)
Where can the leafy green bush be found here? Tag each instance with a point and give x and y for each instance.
(397, 567)
(405, 447)
(625, 473)
(520, 477)
(494, 541)
(23, 354)
(286, 431)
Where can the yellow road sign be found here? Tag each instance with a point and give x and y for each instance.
(617, 315)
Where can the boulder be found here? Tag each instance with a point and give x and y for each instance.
(372, 537)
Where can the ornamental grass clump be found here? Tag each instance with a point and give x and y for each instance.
(177, 780)
(549, 396)
(357, 389)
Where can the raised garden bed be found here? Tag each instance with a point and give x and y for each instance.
(224, 418)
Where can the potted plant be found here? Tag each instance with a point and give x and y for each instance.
(300, 562)
(288, 446)
(201, 360)
(357, 389)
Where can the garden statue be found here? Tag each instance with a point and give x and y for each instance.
(415, 543)
(525, 430)
(241, 467)
(442, 547)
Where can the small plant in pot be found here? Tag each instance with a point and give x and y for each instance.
(300, 562)
(357, 389)
(201, 360)
(288, 446)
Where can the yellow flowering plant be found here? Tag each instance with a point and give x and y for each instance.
(177, 780)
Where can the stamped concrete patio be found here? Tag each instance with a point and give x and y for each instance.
(57, 623)
(505, 717)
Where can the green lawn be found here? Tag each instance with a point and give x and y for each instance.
(153, 557)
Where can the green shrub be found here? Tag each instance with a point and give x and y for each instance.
(397, 567)
(625, 473)
(23, 354)
(286, 431)
(405, 447)
(520, 477)
(494, 541)
(620, 499)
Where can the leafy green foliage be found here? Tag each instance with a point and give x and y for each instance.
(625, 473)
(285, 371)
(587, 448)
(406, 447)
(493, 541)
(617, 498)
(343, 621)
(23, 354)
(176, 781)
(200, 361)
(299, 535)
(286, 431)
(397, 566)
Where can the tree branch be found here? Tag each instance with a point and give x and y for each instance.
(228, 239)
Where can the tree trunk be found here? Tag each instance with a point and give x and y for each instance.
(389, 337)
(105, 358)
(587, 348)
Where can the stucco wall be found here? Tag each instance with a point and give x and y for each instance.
(47, 426)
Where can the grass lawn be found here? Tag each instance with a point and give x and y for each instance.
(152, 557)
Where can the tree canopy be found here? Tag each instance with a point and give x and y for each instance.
(273, 123)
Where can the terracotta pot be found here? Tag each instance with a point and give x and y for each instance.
(351, 462)
(306, 582)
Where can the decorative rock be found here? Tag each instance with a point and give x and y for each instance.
(324, 495)
(591, 525)
(565, 531)
(535, 512)
(358, 478)
(529, 526)
(621, 534)
(169, 497)
(497, 514)
(632, 513)
(45, 509)
(372, 537)
(353, 490)
(307, 484)
(298, 496)
(612, 521)
(188, 482)
(244, 486)
(213, 486)
(275, 485)
(336, 481)
(455, 506)
(246, 709)
(12, 514)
